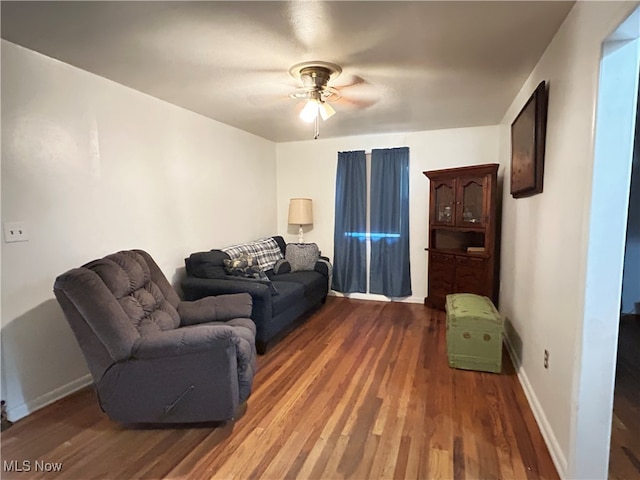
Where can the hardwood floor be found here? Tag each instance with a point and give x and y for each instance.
(362, 390)
(624, 460)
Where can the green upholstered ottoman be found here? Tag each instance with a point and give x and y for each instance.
(474, 333)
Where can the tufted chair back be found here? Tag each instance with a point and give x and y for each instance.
(128, 277)
(131, 288)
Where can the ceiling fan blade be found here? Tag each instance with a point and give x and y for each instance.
(360, 96)
(385, 73)
(267, 89)
(347, 80)
(267, 100)
(346, 103)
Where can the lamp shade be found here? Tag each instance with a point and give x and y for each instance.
(300, 211)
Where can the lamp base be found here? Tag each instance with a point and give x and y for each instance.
(300, 234)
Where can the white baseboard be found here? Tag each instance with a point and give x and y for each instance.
(20, 411)
(559, 460)
(376, 298)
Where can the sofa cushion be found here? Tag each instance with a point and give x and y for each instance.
(207, 264)
(302, 256)
(289, 294)
(309, 281)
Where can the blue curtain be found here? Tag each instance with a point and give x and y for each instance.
(390, 270)
(349, 247)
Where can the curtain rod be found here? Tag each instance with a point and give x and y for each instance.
(368, 152)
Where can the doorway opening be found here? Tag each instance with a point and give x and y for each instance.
(613, 153)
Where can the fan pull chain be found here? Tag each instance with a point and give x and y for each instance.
(317, 128)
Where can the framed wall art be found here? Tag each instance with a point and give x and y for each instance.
(528, 133)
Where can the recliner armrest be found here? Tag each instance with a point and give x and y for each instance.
(195, 288)
(215, 308)
(181, 341)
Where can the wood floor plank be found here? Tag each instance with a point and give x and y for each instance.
(361, 390)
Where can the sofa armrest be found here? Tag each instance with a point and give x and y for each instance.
(323, 266)
(215, 308)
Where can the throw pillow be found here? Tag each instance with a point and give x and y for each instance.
(281, 266)
(302, 256)
(207, 264)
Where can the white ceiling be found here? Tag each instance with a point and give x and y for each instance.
(407, 66)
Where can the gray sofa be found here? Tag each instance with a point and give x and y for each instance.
(278, 303)
(154, 358)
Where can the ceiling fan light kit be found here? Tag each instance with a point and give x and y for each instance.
(326, 110)
(316, 106)
(315, 90)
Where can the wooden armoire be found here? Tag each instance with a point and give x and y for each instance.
(463, 233)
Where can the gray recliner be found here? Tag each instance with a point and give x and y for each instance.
(153, 357)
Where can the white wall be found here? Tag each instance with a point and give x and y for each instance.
(545, 238)
(93, 167)
(308, 169)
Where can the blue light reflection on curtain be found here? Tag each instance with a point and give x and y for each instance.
(349, 251)
(390, 270)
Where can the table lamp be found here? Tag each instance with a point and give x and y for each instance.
(300, 213)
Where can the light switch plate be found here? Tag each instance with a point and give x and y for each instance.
(15, 232)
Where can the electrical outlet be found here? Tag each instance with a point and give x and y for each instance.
(15, 232)
(546, 359)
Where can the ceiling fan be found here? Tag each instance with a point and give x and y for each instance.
(315, 90)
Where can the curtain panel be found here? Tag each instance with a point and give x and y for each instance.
(349, 247)
(390, 269)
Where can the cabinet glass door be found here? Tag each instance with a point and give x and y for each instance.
(470, 211)
(444, 203)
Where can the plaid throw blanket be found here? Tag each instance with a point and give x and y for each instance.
(265, 252)
(235, 251)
